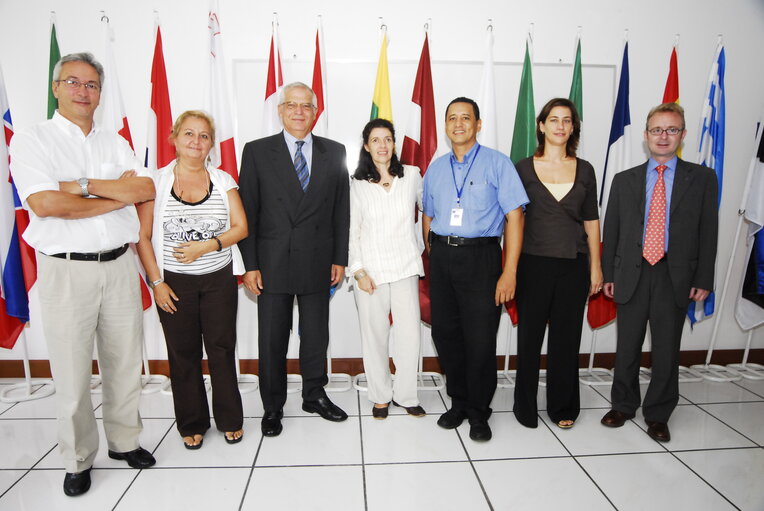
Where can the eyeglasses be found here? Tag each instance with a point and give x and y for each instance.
(291, 106)
(657, 132)
(76, 84)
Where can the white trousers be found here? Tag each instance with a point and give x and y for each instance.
(80, 299)
(402, 299)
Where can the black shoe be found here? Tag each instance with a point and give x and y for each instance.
(139, 458)
(325, 408)
(380, 413)
(480, 431)
(452, 419)
(415, 411)
(271, 423)
(77, 483)
(615, 418)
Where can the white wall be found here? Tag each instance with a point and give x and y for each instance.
(457, 40)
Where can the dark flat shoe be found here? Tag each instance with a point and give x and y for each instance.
(380, 413)
(137, 458)
(77, 483)
(415, 411)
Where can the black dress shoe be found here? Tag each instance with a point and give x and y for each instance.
(139, 458)
(658, 431)
(380, 413)
(77, 483)
(325, 408)
(452, 419)
(480, 431)
(615, 419)
(416, 411)
(271, 423)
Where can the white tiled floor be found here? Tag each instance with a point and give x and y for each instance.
(715, 460)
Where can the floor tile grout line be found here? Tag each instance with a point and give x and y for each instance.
(737, 383)
(251, 472)
(729, 426)
(703, 479)
(363, 456)
(28, 470)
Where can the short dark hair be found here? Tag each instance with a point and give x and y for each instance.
(572, 144)
(366, 170)
(462, 99)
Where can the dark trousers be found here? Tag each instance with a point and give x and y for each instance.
(653, 301)
(465, 320)
(274, 313)
(549, 290)
(206, 314)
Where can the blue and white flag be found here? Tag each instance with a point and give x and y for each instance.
(711, 149)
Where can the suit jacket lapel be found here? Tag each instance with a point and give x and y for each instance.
(637, 183)
(318, 176)
(682, 179)
(284, 169)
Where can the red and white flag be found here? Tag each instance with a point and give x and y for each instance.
(223, 154)
(159, 150)
(321, 123)
(273, 83)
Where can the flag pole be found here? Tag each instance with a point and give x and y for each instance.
(48, 387)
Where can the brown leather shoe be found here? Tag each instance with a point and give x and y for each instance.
(615, 419)
(658, 431)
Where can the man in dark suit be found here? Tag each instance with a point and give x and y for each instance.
(660, 235)
(294, 187)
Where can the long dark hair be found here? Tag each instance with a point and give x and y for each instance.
(366, 170)
(572, 144)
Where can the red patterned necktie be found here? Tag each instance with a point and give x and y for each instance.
(655, 233)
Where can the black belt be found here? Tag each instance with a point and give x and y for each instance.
(456, 241)
(94, 256)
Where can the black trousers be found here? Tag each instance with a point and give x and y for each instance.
(549, 290)
(206, 314)
(465, 319)
(274, 313)
(653, 301)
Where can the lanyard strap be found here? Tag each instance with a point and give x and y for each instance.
(466, 175)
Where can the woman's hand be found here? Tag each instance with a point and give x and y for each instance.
(595, 285)
(165, 297)
(191, 251)
(366, 284)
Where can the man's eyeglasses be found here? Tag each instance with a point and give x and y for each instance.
(291, 105)
(657, 132)
(76, 84)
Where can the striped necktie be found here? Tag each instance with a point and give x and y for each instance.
(301, 166)
(655, 232)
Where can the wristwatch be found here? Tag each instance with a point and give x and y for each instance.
(359, 275)
(83, 182)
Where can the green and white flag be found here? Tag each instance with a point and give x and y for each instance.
(524, 135)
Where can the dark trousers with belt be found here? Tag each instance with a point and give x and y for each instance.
(206, 314)
(274, 316)
(549, 290)
(653, 301)
(465, 320)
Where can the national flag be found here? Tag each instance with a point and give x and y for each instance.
(381, 105)
(602, 310)
(711, 151)
(488, 135)
(159, 150)
(273, 83)
(671, 91)
(223, 153)
(576, 95)
(55, 56)
(524, 136)
(749, 310)
(321, 122)
(17, 259)
(419, 145)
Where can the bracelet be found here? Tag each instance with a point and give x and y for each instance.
(220, 245)
(361, 274)
(155, 283)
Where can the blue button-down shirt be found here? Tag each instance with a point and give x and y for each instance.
(491, 190)
(668, 179)
(307, 147)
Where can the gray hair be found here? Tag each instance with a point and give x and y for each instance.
(296, 85)
(85, 57)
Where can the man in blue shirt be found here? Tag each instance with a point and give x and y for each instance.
(472, 196)
(659, 253)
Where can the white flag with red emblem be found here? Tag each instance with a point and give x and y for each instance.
(159, 150)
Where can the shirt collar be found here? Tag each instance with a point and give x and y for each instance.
(670, 165)
(291, 139)
(467, 157)
(68, 126)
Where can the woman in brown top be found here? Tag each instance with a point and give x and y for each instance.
(559, 265)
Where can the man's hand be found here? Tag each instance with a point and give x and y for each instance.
(505, 287)
(338, 273)
(253, 280)
(609, 289)
(698, 294)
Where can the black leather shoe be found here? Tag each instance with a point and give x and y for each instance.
(325, 408)
(139, 458)
(77, 483)
(271, 423)
(480, 431)
(452, 419)
(615, 419)
(380, 413)
(658, 431)
(415, 411)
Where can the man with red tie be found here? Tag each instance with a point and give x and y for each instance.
(660, 233)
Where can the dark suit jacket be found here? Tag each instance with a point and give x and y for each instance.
(693, 230)
(294, 236)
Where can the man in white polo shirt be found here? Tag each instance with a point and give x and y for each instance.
(80, 184)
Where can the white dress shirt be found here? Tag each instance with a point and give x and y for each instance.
(57, 150)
